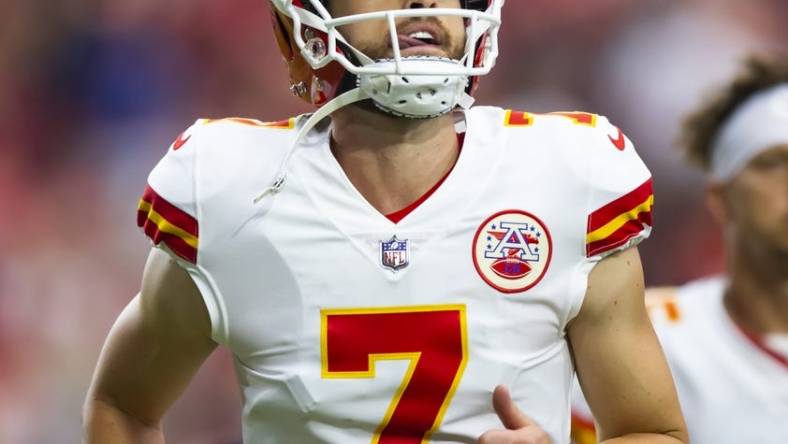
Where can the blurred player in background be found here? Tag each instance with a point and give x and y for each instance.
(384, 275)
(726, 337)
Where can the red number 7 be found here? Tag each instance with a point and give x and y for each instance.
(432, 338)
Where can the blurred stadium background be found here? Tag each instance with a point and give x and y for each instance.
(92, 92)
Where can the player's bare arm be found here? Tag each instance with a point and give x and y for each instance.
(152, 352)
(618, 359)
(619, 362)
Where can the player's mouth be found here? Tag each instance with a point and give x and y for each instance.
(421, 39)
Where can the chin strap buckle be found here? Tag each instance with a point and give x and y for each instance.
(271, 190)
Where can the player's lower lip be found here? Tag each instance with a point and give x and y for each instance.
(407, 41)
(424, 50)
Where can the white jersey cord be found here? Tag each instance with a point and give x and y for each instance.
(350, 97)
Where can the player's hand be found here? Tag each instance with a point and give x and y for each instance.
(520, 429)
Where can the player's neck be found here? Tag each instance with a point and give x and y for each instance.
(392, 161)
(757, 298)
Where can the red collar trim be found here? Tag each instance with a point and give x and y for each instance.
(760, 345)
(397, 216)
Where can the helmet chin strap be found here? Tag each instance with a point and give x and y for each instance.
(350, 97)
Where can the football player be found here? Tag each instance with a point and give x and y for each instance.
(726, 337)
(397, 267)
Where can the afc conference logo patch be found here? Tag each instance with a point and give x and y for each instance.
(512, 251)
(395, 254)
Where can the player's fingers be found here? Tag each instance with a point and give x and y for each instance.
(528, 435)
(532, 435)
(511, 416)
(494, 437)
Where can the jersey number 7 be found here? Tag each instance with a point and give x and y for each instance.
(432, 338)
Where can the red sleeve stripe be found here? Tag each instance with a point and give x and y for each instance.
(176, 244)
(623, 204)
(628, 231)
(170, 212)
(163, 222)
(618, 222)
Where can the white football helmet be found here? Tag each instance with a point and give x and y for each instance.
(407, 86)
(327, 71)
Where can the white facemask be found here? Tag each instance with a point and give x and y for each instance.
(405, 86)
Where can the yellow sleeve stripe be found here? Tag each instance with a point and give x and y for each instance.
(165, 226)
(616, 223)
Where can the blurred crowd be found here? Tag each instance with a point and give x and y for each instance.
(92, 92)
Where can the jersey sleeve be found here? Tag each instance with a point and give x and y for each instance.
(620, 200)
(167, 211)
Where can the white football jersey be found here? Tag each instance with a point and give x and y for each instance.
(349, 328)
(732, 389)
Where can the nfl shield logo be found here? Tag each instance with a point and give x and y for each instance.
(394, 254)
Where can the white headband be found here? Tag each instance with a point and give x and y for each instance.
(759, 124)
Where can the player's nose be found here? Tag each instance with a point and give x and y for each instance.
(416, 4)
